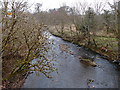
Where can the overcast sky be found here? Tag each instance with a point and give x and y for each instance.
(50, 4)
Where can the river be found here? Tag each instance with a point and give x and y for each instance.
(74, 74)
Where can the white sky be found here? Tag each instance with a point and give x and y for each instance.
(50, 4)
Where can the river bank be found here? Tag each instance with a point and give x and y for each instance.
(15, 81)
(107, 55)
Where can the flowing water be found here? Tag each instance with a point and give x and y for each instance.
(74, 74)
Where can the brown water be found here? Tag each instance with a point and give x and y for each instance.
(74, 74)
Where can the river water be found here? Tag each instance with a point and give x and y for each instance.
(74, 74)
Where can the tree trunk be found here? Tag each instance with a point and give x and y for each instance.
(119, 30)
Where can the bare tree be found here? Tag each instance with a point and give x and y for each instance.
(23, 40)
(99, 6)
(37, 7)
(76, 17)
(59, 17)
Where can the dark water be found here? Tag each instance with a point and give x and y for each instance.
(74, 74)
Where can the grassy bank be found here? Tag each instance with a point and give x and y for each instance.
(100, 41)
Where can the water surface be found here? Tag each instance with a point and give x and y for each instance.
(73, 73)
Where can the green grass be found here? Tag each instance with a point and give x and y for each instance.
(112, 42)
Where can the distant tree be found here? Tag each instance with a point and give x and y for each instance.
(37, 7)
(89, 22)
(99, 6)
(77, 16)
(107, 17)
(90, 18)
(63, 16)
(59, 17)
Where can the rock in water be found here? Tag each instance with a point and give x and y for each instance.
(116, 62)
(88, 61)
